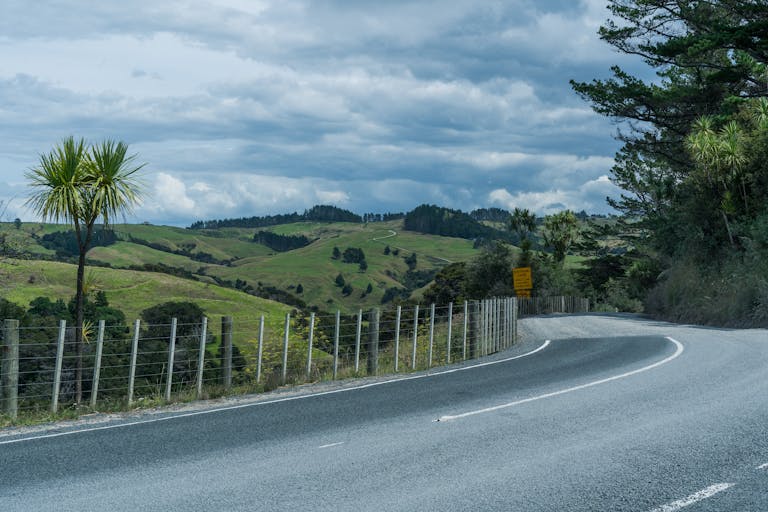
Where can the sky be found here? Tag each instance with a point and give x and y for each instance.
(257, 107)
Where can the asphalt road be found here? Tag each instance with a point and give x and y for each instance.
(612, 414)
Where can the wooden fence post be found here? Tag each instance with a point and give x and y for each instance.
(57, 367)
(201, 357)
(336, 345)
(373, 342)
(450, 332)
(132, 367)
(309, 344)
(97, 365)
(286, 334)
(171, 360)
(226, 341)
(431, 334)
(260, 350)
(357, 339)
(415, 335)
(464, 334)
(397, 337)
(9, 386)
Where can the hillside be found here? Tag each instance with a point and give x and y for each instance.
(133, 291)
(229, 256)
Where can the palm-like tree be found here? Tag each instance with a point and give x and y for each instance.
(523, 222)
(561, 230)
(80, 185)
(720, 155)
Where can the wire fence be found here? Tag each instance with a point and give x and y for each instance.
(124, 364)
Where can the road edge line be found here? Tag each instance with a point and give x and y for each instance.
(678, 351)
(274, 401)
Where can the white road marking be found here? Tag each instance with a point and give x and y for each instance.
(693, 498)
(679, 351)
(330, 445)
(763, 466)
(278, 400)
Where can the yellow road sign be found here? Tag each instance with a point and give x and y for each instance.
(522, 278)
(523, 293)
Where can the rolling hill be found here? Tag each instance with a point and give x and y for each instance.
(229, 257)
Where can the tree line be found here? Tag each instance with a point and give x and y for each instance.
(437, 220)
(318, 213)
(281, 243)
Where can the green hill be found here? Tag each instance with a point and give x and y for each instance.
(230, 257)
(132, 292)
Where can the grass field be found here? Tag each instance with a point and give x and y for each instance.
(310, 266)
(125, 254)
(239, 258)
(315, 270)
(132, 292)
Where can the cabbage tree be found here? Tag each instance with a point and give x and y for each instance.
(82, 185)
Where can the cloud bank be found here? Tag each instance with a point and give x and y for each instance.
(256, 107)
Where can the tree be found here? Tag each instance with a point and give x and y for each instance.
(82, 185)
(710, 56)
(353, 255)
(387, 250)
(17, 223)
(719, 157)
(488, 275)
(340, 280)
(448, 285)
(523, 223)
(156, 321)
(726, 165)
(560, 232)
(43, 306)
(363, 266)
(336, 253)
(299, 289)
(411, 261)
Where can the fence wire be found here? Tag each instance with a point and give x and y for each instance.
(119, 364)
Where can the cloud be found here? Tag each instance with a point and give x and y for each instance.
(170, 193)
(336, 197)
(268, 106)
(589, 196)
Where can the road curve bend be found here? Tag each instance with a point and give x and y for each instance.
(612, 413)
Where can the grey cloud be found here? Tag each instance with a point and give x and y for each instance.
(440, 102)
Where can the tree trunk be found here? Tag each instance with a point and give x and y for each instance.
(79, 314)
(728, 228)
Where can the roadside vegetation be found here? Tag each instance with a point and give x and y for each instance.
(694, 164)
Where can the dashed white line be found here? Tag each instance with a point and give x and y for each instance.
(330, 445)
(277, 400)
(693, 498)
(679, 351)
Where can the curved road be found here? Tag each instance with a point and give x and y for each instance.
(612, 414)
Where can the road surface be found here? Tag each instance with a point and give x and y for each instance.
(612, 414)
